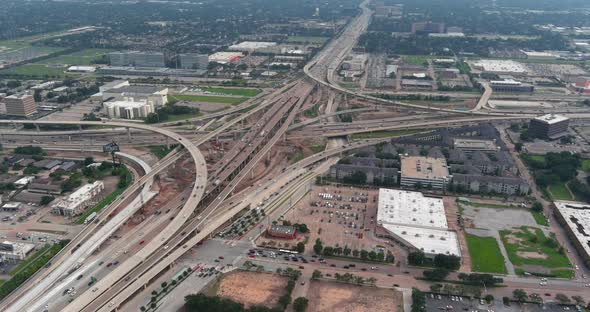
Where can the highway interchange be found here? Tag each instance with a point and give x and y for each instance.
(210, 202)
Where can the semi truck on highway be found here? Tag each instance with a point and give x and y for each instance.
(90, 218)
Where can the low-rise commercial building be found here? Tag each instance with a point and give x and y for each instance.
(549, 126)
(282, 231)
(426, 172)
(416, 221)
(78, 201)
(129, 109)
(12, 252)
(251, 46)
(575, 218)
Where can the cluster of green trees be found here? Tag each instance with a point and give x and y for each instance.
(561, 166)
(418, 300)
(166, 111)
(449, 262)
(480, 279)
(346, 251)
(200, 302)
(78, 94)
(301, 227)
(354, 279)
(426, 45)
(30, 150)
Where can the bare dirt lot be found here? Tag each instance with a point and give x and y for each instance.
(251, 288)
(335, 297)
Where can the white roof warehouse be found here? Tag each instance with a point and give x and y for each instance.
(417, 221)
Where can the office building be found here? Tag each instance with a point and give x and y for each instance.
(510, 85)
(425, 172)
(78, 201)
(154, 94)
(549, 126)
(417, 222)
(20, 105)
(137, 59)
(194, 61)
(575, 218)
(129, 109)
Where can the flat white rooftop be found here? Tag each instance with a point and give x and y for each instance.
(252, 45)
(577, 218)
(551, 118)
(410, 208)
(417, 220)
(501, 66)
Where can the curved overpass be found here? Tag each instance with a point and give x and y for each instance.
(186, 211)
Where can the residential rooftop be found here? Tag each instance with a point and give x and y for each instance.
(424, 167)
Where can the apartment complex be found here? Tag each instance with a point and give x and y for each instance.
(427, 172)
(78, 201)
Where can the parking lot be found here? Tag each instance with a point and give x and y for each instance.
(457, 303)
(339, 216)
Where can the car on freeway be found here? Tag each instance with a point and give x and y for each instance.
(141, 243)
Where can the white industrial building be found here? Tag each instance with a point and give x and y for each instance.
(250, 46)
(129, 108)
(154, 94)
(575, 218)
(78, 201)
(12, 252)
(225, 57)
(417, 222)
(501, 67)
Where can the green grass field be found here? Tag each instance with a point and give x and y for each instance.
(484, 205)
(384, 134)
(25, 263)
(585, 164)
(35, 70)
(565, 273)
(307, 39)
(209, 99)
(84, 57)
(559, 191)
(529, 239)
(416, 59)
(236, 91)
(485, 255)
(159, 150)
(540, 218)
(317, 148)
